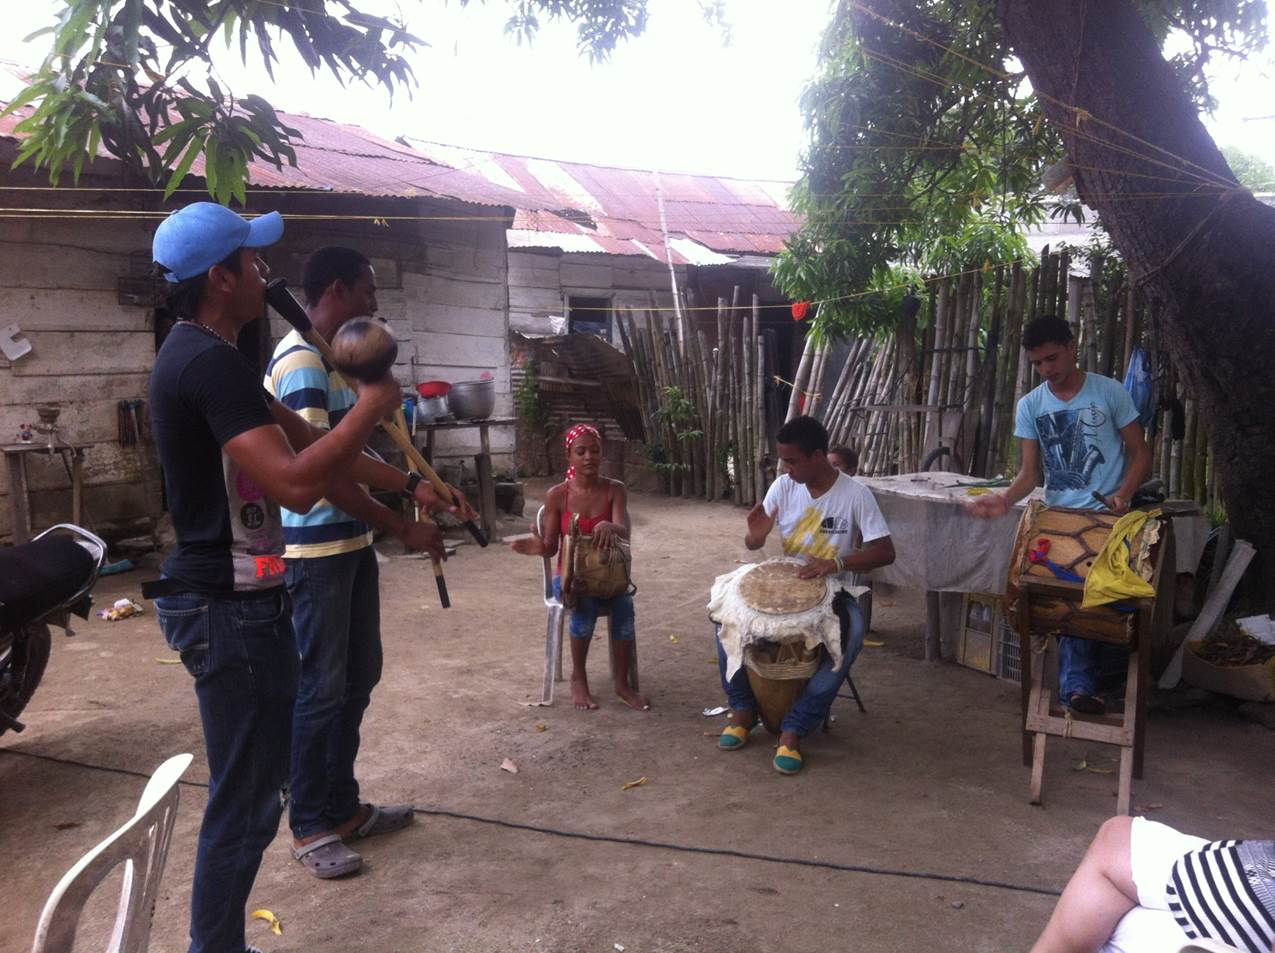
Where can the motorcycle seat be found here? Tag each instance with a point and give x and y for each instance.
(39, 576)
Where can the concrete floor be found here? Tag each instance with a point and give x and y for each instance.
(927, 785)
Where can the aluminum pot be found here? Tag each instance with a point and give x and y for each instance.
(431, 408)
(472, 400)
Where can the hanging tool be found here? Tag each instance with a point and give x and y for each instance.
(439, 579)
(1040, 557)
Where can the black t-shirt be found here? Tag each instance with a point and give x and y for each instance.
(203, 394)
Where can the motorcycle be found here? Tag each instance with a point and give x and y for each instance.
(42, 582)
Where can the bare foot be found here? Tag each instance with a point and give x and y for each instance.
(581, 697)
(631, 698)
(344, 830)
(361, 817)
(790, 739)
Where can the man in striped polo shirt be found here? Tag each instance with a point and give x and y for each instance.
(332, 575)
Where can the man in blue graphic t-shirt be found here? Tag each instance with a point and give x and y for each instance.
(1083, 431)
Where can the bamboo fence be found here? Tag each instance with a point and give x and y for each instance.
(948, 375)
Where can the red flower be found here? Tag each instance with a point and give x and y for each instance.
(800, 309)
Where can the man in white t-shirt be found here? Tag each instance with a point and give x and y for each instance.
(819, 511)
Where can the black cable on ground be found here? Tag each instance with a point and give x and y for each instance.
(738, 854)
(628, 841)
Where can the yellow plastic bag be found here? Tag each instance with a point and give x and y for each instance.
(1111, 578)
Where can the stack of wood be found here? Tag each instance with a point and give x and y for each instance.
(717, 448)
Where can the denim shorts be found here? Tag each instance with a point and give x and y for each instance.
(584, 617)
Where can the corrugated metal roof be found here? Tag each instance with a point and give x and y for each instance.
(338, 158)
(709, 216)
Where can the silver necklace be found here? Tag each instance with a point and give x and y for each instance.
(206, 329)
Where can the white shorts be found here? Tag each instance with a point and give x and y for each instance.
(1150, 928)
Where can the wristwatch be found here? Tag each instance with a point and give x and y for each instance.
(413, 481)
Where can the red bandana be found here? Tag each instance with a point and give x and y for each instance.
(574, 434)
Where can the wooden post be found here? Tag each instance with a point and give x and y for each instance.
(934, 392)
(761, 439)
(1200, 478)
(1130, 325)
(745, 454)
(799, 380)
(1186, 485)
(1062, 282)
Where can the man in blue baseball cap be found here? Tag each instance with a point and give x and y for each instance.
(231, 455)
(193, 239)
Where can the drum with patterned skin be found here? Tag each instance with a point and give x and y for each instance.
(1067, 542)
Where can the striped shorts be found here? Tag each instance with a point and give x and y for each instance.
(1219, 890)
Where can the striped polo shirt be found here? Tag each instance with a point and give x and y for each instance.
(1225, 891)
(301, 380)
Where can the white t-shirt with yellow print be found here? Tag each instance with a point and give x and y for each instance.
(824, 528)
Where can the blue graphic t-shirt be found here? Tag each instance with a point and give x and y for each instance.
(1080, 444)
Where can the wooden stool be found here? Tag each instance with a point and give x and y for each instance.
(1045, 716)
(1045, 607)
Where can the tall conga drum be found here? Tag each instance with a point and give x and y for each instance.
(1054, 543)
(778, 627)
(1055, 552)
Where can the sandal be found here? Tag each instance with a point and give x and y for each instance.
(327, 857)
(384, 819)
(733, 737)
(787, 760)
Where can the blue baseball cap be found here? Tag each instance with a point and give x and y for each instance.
(194, 238)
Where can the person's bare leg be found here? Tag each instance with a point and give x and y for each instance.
(581, 697)
(1100, 892)
(621, 661)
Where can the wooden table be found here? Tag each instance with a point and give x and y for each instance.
(482, 460)
(15, 457)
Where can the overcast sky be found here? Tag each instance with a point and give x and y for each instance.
(676, 98)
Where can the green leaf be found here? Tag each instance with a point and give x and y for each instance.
(183, 167)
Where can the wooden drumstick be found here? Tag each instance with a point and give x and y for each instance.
(439, 579)
(280, 298)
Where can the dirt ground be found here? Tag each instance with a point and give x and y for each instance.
(920, 797)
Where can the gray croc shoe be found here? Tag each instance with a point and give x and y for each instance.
(384, 819)
(327, 857)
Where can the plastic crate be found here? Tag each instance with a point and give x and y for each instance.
(980, 618)
(1008, 660)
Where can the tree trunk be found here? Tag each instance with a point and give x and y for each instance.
(1201, 254)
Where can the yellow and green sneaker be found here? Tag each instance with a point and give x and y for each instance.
(787, 760)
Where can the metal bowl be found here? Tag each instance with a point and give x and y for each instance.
(472, 400)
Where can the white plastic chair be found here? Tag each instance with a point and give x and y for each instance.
(555, 623)
(142, 846)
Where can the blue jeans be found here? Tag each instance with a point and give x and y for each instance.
(243, 658)
(812, 707)
(336, 612)
(1081, 662)
(584, 617)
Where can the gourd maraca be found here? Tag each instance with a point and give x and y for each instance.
(364, 349)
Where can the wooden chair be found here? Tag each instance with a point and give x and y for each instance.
(141, 845)
(556, 621)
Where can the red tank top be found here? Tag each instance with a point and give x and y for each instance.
(587, 524)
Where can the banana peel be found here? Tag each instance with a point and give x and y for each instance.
(276, 925)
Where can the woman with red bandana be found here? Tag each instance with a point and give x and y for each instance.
(602, 505)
